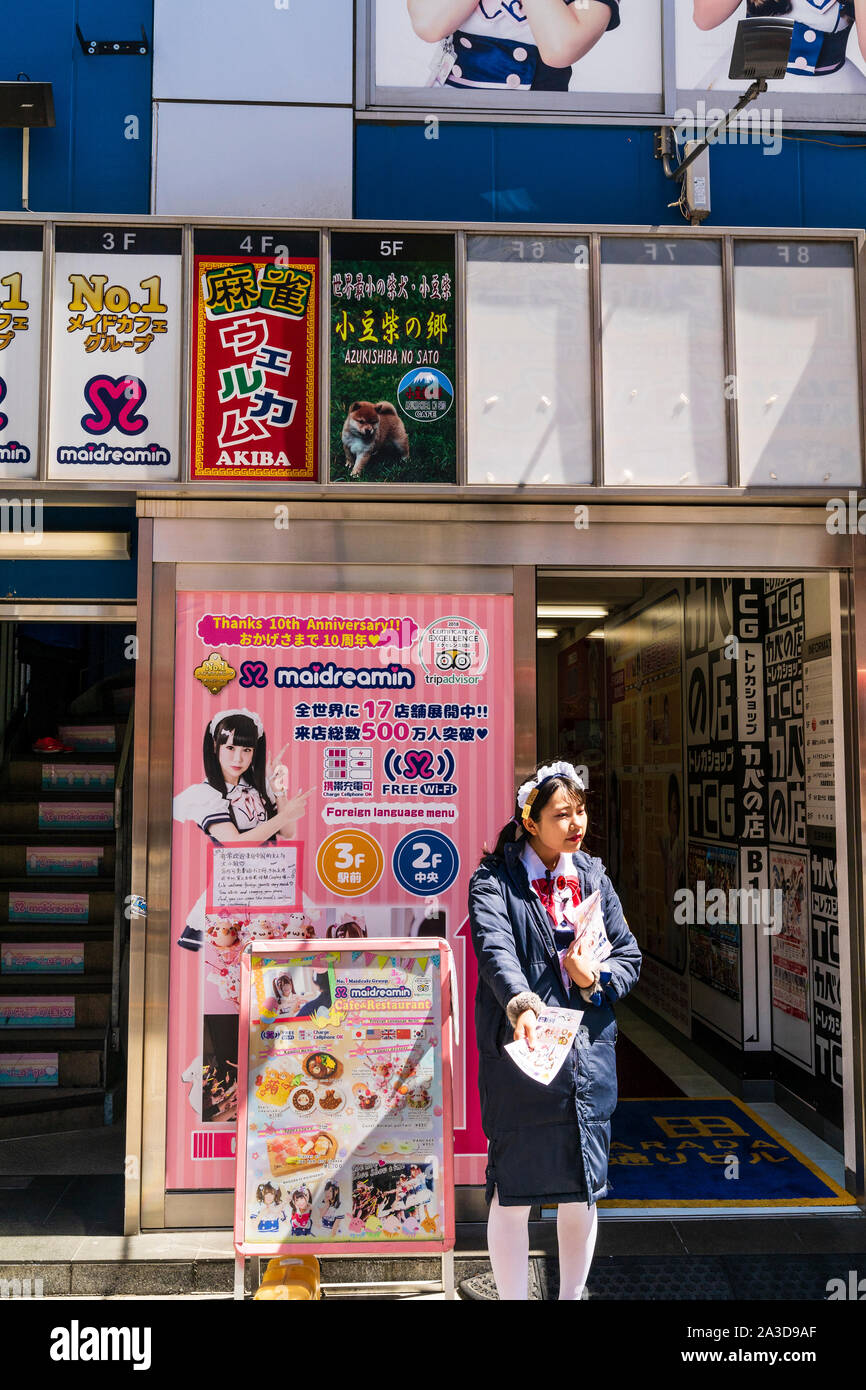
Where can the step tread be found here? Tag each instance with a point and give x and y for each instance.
(99, 757)
(56, 883)
(7, 926)
(47, 931)
(14, 796)
(47, 1039)
(95, 720)
(59, 839)
(17, 982)
(17, 1098)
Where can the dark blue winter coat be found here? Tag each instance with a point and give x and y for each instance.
(545, 1142)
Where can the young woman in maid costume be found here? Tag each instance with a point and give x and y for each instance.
(546, 1143)
(518, 45)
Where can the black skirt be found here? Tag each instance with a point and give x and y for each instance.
(556, 1151)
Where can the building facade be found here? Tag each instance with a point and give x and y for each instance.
(324, 351)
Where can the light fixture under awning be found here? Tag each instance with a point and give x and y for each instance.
(569, 610)
(24, 544)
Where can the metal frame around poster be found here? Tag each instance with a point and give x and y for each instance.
(117, 492)
(383, 103)
(448, 1019)
(374, 103)
(491, 547)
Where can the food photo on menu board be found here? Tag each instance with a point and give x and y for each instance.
(335, 756)
(344, 1107)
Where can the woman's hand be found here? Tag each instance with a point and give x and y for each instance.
(525, 1028)
(579, 965)
(289, 811)
(278, 775)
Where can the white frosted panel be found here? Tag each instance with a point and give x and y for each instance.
(250, 50)
(253, 161)
(797, 364)
(663, 363)
(529, 390)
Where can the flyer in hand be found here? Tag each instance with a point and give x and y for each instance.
(555, 1031)
(588, 923)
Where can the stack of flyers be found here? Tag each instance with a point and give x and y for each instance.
(555, 1031)
(589, 932)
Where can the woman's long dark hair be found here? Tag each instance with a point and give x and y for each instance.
(244, 732)
(509, 833)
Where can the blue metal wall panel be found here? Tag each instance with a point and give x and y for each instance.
(401, 174)
(105, 580)
(86, 163)
(550, 173)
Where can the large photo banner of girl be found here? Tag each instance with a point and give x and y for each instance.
(370, 734)
(505, 50)
(826, 53)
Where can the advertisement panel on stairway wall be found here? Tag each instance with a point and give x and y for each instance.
(255, 340)
(115, 354)
(339, 762)
(20, 349)
(393, 358)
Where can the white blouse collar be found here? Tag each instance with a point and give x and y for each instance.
(536, 869)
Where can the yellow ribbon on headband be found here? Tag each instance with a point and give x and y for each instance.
(527, 805)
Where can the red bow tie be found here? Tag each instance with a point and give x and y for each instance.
(544, 887)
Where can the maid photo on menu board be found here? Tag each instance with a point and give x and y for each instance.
(821, 41)
(517, 45)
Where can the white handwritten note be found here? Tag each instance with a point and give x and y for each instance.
(264, 877)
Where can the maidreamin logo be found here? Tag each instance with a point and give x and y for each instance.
(317, 673)
(376, 992)
(108, 453)
(14, 452)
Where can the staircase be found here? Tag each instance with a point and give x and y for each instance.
(62, 932)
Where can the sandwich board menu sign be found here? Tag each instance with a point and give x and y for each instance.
(345, 1123)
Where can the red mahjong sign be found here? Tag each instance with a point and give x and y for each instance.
(255, 346)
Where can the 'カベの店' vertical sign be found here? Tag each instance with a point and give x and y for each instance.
(20, 338)
(255, 399)
(115, 354)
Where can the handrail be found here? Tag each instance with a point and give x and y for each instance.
(123, 764)
(121, 878)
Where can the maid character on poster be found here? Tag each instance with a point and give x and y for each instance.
(820, 52)
(510, 45)
(270, 1215)
(243, 797)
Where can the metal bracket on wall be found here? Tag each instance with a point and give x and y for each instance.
(107, 48)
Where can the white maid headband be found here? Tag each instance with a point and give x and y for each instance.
(528, 790)
(225, 713)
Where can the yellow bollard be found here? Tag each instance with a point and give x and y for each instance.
(292, 1278)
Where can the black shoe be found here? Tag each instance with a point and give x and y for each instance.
(482, 1287)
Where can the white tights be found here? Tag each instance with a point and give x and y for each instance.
(508, 1244)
